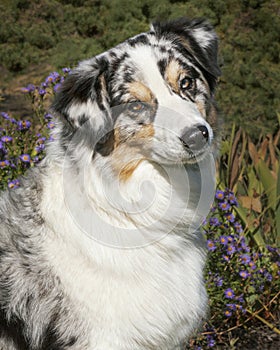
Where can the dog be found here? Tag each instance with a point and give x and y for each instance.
(100, 247)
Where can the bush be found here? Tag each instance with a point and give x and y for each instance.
(243, 283)
(22, 142)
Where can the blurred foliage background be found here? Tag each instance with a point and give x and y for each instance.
(42, 35)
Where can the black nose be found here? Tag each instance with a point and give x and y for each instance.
(195, 138)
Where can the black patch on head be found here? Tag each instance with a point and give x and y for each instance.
(116, 63)
(140, 39)
(98, 93)
(205, 58)
(83, 119)
(162, 49)
(79, 87)
(162, 64)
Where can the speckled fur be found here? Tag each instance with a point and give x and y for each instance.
(59, 288)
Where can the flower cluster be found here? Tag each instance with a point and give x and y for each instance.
(239, 278)
(22, 142)
(50, 85)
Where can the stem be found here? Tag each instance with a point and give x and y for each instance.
(271, 326)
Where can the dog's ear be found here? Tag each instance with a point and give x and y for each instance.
(195, 38)
(83, 96)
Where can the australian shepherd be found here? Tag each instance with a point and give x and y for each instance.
(100, 247)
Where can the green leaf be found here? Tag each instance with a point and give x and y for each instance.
(268, 182)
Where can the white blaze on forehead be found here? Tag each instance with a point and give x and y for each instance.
(145, 59)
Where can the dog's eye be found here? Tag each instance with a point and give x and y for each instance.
(136, 106)
(187, 83)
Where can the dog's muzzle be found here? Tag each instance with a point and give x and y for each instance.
(196, 138)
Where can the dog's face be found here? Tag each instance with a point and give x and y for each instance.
(151, 97)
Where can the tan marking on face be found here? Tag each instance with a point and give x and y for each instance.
(141, 92)
(201, 107)
(130, 151)
(172, 74)
(128, 170)
(147, 131)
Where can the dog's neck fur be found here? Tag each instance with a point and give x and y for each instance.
(91, 269)
(97, 206)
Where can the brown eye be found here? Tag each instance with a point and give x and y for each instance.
(187, 83)
(136, 106)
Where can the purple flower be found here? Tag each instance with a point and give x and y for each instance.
(268, 276)
(13, 121)
(220, 195)
(226, 258)
(52, 78)
(232, 306)
(210, 341)
(219, 281)
(232, 198)
(210, 245)
(66, 70)
(238, 227)
(228, 313)
(50, 125)
(224, 240)
(214, 222)
(244, 245)
(244, 274)
(230, 217)
(28, 88)
(25, 158)
(252, 265)
(240, 299)
(271, 249)
(229, 293)
(4, 163)
(39, 148)
(24, 125)
(56, 87)
(224, 206)
(48, 116)
(6, 138)
(231, 249)
(40, 140)
(5, 115)
(42, 92)
(13, 184)
(245, 258)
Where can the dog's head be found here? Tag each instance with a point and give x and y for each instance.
(150, 97)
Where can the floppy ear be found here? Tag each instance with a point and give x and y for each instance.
(195, 38)
(83, 98)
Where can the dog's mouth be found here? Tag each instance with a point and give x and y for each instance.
(196, 156)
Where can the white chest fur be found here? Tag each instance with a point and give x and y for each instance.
(150, 297)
